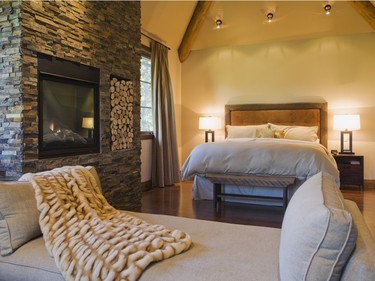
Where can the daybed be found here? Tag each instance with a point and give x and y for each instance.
(323, 237)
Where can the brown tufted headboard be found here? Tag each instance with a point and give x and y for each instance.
(299, 114)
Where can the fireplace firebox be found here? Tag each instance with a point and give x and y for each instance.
(68, 107)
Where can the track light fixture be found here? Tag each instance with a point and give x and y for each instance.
(327, 8)
(218, 23)
(269, 17)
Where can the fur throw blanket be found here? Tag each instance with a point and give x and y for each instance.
(91, 240)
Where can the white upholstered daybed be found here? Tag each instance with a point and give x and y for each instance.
(323, 237)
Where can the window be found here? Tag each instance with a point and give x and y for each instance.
(146, 95)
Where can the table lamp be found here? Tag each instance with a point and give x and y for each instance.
(346, 123)
(209, 124)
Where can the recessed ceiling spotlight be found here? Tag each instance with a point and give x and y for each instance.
(218, 23)
(327, 9)
(269, 17)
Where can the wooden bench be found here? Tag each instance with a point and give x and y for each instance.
(257, 181)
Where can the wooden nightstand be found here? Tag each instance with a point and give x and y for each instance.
(351, 169)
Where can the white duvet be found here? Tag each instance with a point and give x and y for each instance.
(260, 156)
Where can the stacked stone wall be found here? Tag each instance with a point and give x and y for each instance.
(102, 34)
(11, 136)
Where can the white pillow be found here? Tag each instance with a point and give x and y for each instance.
(317, 234)
(248, 131)
(301, 133)
(304, 133)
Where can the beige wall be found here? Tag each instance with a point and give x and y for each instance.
(339, 70)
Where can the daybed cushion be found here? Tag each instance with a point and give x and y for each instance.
(220, 251)
(318, 234)
(19, 217)
(31, 262)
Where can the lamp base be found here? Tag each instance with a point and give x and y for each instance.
(346, 142)
(91, 133)
(212, 133)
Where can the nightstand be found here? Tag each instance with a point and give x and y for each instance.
(351, 169)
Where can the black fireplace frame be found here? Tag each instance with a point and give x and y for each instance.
(60, 70)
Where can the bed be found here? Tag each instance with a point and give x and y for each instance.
(269, 151)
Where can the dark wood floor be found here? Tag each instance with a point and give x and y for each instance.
(176, 201)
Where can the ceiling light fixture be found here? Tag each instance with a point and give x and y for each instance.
(218, 23)
(327, 9)
(269, 17)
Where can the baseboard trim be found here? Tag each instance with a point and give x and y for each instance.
(146, 186)
(369, 183)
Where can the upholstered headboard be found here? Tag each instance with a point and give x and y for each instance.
(299, 114)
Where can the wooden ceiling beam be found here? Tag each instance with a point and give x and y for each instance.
(366, 9)
(193, 28)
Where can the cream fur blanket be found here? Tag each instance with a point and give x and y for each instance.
(88, 238)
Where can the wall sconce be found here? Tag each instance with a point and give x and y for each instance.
(88, 123)
(346, 124)
(209, 124)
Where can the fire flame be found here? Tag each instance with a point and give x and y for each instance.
(52, 126)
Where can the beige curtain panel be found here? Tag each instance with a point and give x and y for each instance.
(165, 169)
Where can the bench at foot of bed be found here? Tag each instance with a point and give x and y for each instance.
(259, 181)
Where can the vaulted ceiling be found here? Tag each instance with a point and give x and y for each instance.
(245, 22)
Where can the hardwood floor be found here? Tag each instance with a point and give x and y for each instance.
(177, 201)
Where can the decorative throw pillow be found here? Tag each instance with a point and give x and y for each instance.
(276, 127)
(279, 134)
(243, 131)
(317, 234)
(19, 216)
(265, 133)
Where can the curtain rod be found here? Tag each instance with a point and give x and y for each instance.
(150, 37)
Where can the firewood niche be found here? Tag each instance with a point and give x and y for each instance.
(122, 98)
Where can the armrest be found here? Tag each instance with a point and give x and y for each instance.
(361, 264)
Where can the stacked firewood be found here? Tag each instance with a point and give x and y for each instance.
(121, 114)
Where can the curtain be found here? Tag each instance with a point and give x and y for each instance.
(165, 169)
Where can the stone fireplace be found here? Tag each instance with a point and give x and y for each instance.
(68, 110)
(102, 35)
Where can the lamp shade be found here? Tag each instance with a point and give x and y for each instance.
(346, 122)
(88, 122)
(209, 123)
